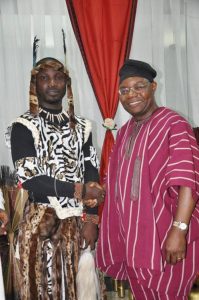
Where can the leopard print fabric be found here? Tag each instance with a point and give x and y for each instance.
(49, 254)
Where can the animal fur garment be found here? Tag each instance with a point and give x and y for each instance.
(87, 280)
(49, 254)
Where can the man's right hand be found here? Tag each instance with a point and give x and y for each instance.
(94, 194)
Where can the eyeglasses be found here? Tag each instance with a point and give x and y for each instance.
(137, 88)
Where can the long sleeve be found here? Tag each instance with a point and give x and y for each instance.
(42, 185)
(91, 170)
(22, 145)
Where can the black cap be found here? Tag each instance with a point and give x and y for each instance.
(132, 67)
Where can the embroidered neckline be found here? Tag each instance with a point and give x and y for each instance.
(53, 117)
(140, 122)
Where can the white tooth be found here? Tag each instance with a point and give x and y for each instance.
(134, 103)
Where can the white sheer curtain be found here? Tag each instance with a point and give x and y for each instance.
(165, 35)
(20, 21)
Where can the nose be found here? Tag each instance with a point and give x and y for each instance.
(51, 82)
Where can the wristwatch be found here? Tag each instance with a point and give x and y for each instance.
(180, 225)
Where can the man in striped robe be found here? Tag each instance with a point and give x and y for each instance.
(149, 232)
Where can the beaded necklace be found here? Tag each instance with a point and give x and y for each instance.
(52, 117)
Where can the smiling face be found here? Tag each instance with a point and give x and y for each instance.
(50, 87)
(137, 97)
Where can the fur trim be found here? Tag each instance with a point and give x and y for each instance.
(87, 281)
(88, 129)
(65, 212)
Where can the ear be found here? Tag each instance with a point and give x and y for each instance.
(154, 85)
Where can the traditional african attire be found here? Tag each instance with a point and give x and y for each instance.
(50, 158)
(151, 159)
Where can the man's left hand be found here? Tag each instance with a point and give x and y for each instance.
(89, 234)
(175, 246)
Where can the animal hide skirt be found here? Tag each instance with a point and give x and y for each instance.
(49, 250)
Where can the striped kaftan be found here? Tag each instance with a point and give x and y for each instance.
(149, 162)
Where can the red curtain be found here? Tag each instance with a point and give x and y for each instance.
(104, 30)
